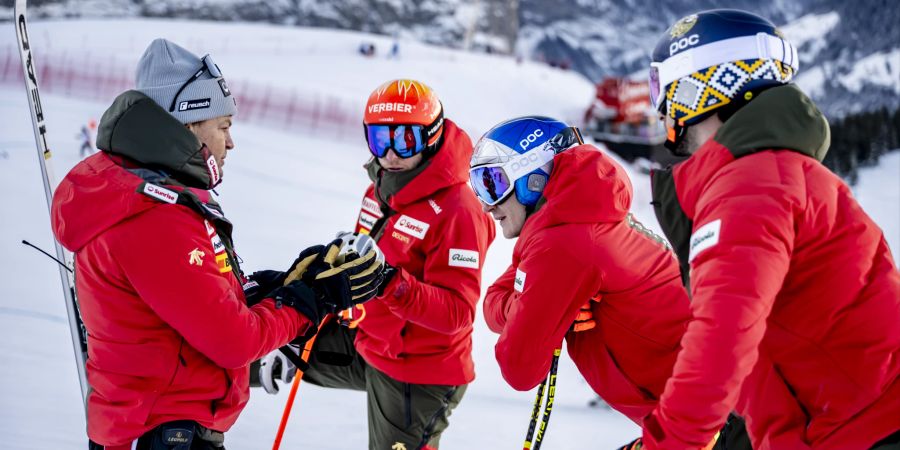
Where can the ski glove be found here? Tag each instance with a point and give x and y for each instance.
(585, 319)
(301, 265)
(361, 244)
(276, 366)
(346, 278)
(298, 295)
(260, 284)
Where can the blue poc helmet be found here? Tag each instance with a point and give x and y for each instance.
(517, 156)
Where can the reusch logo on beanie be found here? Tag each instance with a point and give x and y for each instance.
(166, 67)
(200, 103)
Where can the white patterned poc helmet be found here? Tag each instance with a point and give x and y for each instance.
(716, 59)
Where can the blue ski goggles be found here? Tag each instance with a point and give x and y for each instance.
(494, 182)
(405, 140)
(208, 66)
(491, 184)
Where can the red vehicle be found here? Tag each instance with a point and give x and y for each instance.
(622, 118)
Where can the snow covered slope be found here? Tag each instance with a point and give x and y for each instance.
(477, 90)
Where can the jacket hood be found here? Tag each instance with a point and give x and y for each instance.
(93, 197)
(585, 186)
(137, 128)
(449, 166)
(780, 118)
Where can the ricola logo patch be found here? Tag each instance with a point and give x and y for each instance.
(412, 227)
(463, 258)
(189, 105)
(519, 282)
(705, 237)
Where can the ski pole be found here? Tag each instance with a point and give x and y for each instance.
(304, 356)
(550, 384)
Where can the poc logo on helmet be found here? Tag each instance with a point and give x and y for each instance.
(683, 43)
(524, 143)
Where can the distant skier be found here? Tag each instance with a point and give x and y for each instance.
(412, 352)
(395, 50)
(86, 136)
(795, 298)
(170, 331)
(583, 268)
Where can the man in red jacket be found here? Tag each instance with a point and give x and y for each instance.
(795, 297)
(412, 351)
(170, 332)
(581, 256)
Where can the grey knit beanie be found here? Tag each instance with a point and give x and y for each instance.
(166, 67)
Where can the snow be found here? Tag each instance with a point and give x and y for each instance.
(285, 191)
(878, 190)
(325, 63)
(808, 33)
(880, 69)
(812, 81)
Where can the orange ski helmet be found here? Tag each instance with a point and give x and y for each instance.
(405, 102)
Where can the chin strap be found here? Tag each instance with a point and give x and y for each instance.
(674, 138)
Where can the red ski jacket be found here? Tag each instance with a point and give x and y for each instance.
(795, 297)
(435, 233)
(583, 244)
(169, 334)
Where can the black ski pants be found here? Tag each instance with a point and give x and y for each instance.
(177, 435)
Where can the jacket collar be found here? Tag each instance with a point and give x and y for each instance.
(137, 128)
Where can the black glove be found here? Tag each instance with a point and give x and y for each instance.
(389, 272)
(300, 267)
(298, 295)
(348, 282)
(261, 283)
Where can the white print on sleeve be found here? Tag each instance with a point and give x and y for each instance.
(519, 283)
(705, 237)
(463, 258)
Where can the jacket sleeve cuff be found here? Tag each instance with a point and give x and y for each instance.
(397, 289)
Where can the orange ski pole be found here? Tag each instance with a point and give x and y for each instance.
(307, 349)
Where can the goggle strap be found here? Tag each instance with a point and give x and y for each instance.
(432, 128)
(759, 46)
(524, 164)
(566, 139)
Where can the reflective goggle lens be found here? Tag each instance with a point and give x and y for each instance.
(655, 88)
(491, 184)
(406, 140)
